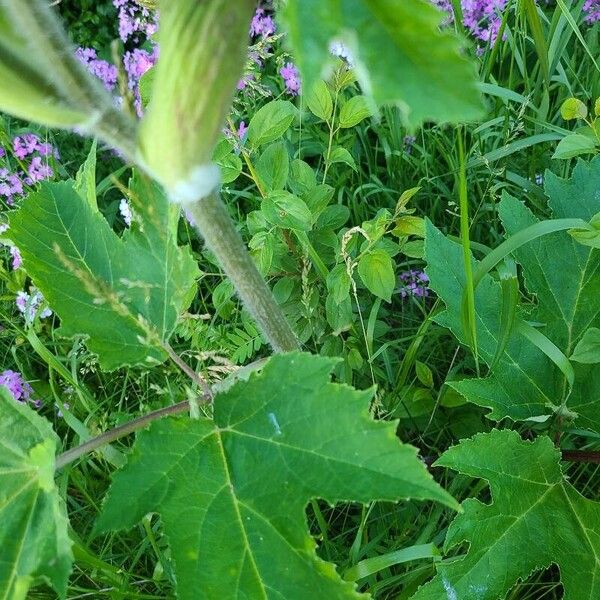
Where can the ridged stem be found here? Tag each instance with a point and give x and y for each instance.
(55, 62)
(218, 230)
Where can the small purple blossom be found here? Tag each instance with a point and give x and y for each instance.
(106, 72)
(591, 9)
(244, 81)
(59, 412)
(137, 63)
(10, 186)
(13, 381)
(135, 21)
(414, 283)
(481, 17)
(32, 305)
(17, 261)
(25, 145)
(38, 171)
(341, 50)
(291, 78)
(262, 24)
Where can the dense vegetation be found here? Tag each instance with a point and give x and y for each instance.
(429, 224)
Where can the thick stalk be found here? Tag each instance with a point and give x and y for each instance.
(216, 227)
(65, 78)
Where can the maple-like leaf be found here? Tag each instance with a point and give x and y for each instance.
(124, 293)
(535, 519)
(34, 543)
(232, 492)
(564, 278)
(400, 53)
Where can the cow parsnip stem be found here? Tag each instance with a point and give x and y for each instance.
(222, 238)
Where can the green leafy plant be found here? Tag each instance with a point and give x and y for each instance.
(247, 481)
(529, 492)
(129, 291)
(533, 378)
(584, 140)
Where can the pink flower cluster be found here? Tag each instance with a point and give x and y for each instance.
(33, 156)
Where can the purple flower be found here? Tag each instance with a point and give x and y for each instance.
(262, 24)
(2, 152)
(59, 412)
(414, 283)
(137, 63)
(242, 130)
(25, 145)
(17, 261)
(45, 149)
(32, 305)
(341, 50)
(135, 20)
(20, 390)
(244, 81)
(481, 17)
(103, 70)
(38, 171)
(10, 186)
(591, 8)
(291, 78)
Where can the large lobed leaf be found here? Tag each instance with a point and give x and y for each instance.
(401, 55)
(33, 521)
(232, 493)
(535, 519)
(563, 275)
(124, 293)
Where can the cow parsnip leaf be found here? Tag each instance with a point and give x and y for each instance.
(232, 492)
(536, 519)
(564, 276)
(400, 53)
(124, 293)
(33, 533)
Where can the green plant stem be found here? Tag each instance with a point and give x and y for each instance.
(69, 78)
(118, 432)
(218, 230)
(185, 368)
(469, 321)
(330, 124)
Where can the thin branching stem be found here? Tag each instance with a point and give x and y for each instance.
(116, 433)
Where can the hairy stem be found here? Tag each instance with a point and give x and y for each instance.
(118, 432)
(218, 230)
(68, 78)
